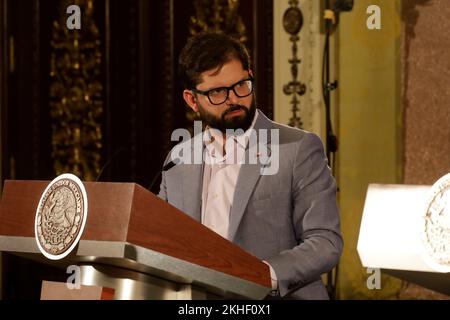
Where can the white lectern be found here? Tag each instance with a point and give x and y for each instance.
(392, 235)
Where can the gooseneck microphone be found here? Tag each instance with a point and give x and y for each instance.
(166, 167)
(109, 162)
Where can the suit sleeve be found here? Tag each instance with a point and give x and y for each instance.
(163, 187)
(315, 219)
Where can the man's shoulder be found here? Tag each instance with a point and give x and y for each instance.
(186, 147)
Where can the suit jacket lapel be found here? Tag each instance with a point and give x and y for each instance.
(249, 175)
(192, 190)
(247, 179)
(193, 181)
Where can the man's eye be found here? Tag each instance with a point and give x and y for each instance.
(216, 92)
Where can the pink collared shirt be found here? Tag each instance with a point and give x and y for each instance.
(221, 170)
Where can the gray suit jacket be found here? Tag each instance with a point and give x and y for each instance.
(289, 219)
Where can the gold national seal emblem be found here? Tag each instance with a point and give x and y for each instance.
(61, 216)
(436, 227)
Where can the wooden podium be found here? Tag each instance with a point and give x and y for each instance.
(137, 244)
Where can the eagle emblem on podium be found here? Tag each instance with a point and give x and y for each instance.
(61, 216)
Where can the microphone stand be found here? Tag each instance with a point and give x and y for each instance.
(331, 143)
(328, 87)
(331, 16)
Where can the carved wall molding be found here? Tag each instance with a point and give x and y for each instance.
(293, 23)
(310, 54)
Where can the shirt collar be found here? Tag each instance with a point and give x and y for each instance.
(212, 139)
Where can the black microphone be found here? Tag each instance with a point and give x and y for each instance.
(343, 6)
(166, 167)
(108, 163)
(333, 8)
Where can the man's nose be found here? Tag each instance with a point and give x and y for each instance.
(232, 98)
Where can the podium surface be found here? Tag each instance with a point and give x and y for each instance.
(133, 239)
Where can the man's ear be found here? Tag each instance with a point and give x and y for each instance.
(190, 100)
(250, 72)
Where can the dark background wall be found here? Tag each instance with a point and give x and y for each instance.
(140, 42)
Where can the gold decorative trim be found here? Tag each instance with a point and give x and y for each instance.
(292, 23)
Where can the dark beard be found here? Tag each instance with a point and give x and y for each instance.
(242, 122)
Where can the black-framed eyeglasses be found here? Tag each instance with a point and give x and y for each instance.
(218, 96)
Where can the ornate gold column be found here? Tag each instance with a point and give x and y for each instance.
(76, 93)
(218, 16)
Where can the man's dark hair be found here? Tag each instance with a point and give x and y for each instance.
(207, 51)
